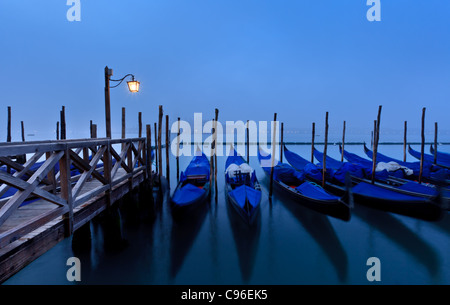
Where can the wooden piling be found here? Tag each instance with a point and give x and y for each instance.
(63, 123)
(312, 141)
(123, 126)
(8, 129)
(149, 155)
(94, 131)
(404, 141)
(248, 142)
(435, 141)
(281, 142)
(57, 130)
(156, 149)
(343, 143)
(167, 150)
(211, 159)
(90, 128)
(160, 118)
(422, 146)
(324, 160)
(178, 150)
(215, 153)
(140, 124)
(376, 140)
(23, 131)
(273, 154)
(374, 150)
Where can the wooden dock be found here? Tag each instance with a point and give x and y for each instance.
(62, 186)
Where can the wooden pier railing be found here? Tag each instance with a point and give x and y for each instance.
(66, 174)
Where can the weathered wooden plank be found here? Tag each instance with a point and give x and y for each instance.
(84, 166)
(77, 188)
(20, 196)
(22, 186)
(25, 169)
(30, 225)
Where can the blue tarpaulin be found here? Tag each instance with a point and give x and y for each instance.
(187, 194)
(243, 192)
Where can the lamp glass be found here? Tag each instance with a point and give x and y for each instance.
(133, 86)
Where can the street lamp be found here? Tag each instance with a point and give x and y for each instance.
(133, 86)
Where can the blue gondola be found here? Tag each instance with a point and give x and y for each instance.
(295, 184)
(194, 187)
(242, 187)
(430, 173)
(441, 159)
(410, 198)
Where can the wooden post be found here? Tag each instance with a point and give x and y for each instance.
(108, 74)
(57, 130)
(248, 143)
(149, 155)
(167, 150)
(90, 128)
(273, 153)
(140, 124)
(281, 143)
(343, 143)
(404, 142)
(371, 139)
(94, 131)
(156, 148)
(312, 141)
(159, 139)
(422, 147)
(324, 161)
(211, 160)
(123, 125)
(66, 191)
(63, 123)
(178, 150)
(23, 131)
(8, 136)
(376, 141)
(435, 141)
(215, 154)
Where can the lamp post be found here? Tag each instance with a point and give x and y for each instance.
(133, 86)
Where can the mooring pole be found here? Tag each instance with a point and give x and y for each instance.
(149, 155)
(281, 142)
(23, 131)
(159, 139)
(248, 143)
(57, 130)
(404, 141)
(156, 148)
(8, 135)
(215, 153)
(123, 126)
(273, 153)
(376, 141)
(324, 160)
(343, 143)
(167, 150)
(422, 147)
(312, 141)
(63, 123)
(435, 141)
(178, 150)
(140, 124)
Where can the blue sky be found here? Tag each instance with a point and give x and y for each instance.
(249, 58)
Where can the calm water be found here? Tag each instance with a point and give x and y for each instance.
(289, 244)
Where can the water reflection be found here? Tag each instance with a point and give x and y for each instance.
(246, 238)
(185, 229)
(399, 233)
(320, 228)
